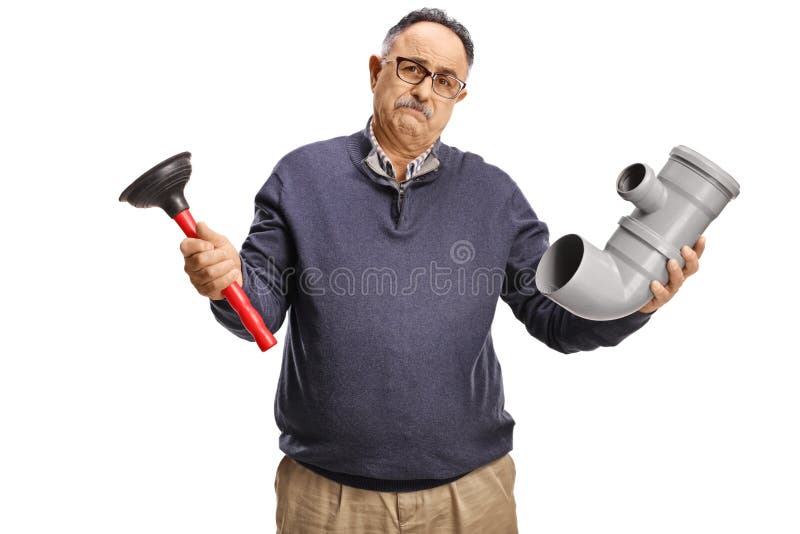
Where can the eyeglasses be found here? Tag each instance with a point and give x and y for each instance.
(412, 72)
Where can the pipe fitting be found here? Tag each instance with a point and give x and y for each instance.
(672, 209)
(638, 184)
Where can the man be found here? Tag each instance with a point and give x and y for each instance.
(390, 402)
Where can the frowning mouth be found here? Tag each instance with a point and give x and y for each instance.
(415, 112)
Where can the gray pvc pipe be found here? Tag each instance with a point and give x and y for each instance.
(672, 209)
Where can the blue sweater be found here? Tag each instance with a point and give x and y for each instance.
(388, 368)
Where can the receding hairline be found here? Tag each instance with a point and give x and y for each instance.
(436, 16)
(444, 69)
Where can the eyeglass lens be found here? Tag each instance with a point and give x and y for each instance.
(443, 84)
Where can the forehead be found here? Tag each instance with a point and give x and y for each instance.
(435, 46)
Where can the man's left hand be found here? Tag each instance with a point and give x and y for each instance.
(661, 293)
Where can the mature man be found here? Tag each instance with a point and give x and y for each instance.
(390, 402)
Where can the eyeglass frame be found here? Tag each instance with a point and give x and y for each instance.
(433, 75)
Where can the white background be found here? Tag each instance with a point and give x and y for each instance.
(125, 407)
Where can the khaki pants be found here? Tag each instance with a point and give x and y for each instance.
(481, 502)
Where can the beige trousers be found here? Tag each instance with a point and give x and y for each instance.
(481, 502)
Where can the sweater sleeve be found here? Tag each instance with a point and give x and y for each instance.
(268, 259)
(545, 320)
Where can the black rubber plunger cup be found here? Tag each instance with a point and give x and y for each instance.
(162, 186)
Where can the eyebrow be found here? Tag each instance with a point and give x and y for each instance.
(443, 70)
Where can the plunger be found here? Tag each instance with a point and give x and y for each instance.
(162, 186)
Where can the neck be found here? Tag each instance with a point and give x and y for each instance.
(400, 151)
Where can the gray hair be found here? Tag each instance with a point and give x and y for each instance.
(430, 15)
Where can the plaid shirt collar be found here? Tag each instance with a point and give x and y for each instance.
(386, 164)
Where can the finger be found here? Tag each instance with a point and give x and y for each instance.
(213, 289)
(204, 259)
(700, 246)
(191, 246)
(204, 232)
(660, 293)
(692, 264)
(675, 276)
(211, 272)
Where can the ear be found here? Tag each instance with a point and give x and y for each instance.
(374, 69)
(461, 96)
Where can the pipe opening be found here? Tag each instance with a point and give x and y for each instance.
(560, 263)
(630, 177)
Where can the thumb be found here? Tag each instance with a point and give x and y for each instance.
(207, 234)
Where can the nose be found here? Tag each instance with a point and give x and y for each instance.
(423, 89)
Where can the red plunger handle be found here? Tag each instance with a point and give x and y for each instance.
(237, 298)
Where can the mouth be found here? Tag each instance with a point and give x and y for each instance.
(415, 112)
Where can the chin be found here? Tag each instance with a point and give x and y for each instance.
(409, 126)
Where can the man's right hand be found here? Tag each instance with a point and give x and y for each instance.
(211, 262)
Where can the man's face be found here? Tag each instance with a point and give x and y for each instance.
(440, 50)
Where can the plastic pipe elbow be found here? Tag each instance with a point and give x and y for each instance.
(589, 282)
(672, 209)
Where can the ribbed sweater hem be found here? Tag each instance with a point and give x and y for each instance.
(379, 484)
